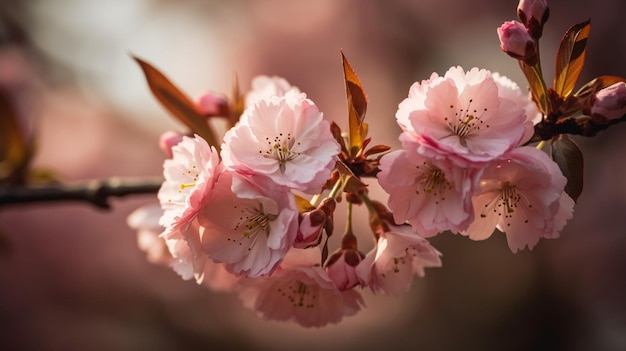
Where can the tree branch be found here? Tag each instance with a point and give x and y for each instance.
(95, 192)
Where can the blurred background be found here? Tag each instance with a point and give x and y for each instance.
(72, 277)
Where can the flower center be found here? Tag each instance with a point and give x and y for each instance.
(252, 223)
(506, 203)
(466, 121)
(299, 294)
(432, 181)
(188, 179)
(281, 149)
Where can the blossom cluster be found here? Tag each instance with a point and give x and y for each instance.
(230, 220)
(254, 215)
(463, 166)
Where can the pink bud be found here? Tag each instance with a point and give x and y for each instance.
(517, 42)
(168, 140)
(609, 103)
(341, 268)
(310, 229)
(212, 104)
(533, 14)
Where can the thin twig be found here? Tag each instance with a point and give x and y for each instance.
(95, 192)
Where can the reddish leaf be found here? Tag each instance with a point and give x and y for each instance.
(336, 131)
(357, 105)
(236, 104)
(568, 156)
(536, 86)
(377, 149)
(570, 58)
(177, 103)
(15, 151)
(350, 181)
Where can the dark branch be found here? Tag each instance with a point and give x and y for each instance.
(95, 192)
(584, 126)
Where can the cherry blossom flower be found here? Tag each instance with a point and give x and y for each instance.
(145, 220)
(300, 291)
(247, 227)
(398, 255)
(521, 195)
(467, 117)
(432, 195)
(189, 178)
(264, 87)
(284, 139)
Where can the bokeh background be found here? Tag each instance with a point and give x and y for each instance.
(72, 277)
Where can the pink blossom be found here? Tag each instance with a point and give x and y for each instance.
(508, 89)
(284, 139)
(341, 268)
(517, 42)
(247, 227)
(145, 220)
(609, 103)
(533, 14)
(300, 291)
(189, 178)
(432, 195)
(264, 87)
(521, 195)
(398, 255)
(467, 117)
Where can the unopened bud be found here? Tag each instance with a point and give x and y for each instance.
(168, 140)
(533, 14)
(517, 42)
(310, 229)
(341, 268)
(609, 103)
(212, 104)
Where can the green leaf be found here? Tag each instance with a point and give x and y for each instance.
(568, 156)
(177, 103)
(357, 105)
(570, 58)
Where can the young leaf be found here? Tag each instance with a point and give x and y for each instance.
(536, 86)
(570, 58)
(350, 181)
(176, 102)
(357, 105)
(568, 156)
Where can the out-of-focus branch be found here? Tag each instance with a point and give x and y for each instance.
(95, 192)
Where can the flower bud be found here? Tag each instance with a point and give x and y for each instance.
(212, 104)
(533, 14)
(517, 42)
(168, 140)
(609, 103)
(310, 229)
(341, 268)
(313, 222)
